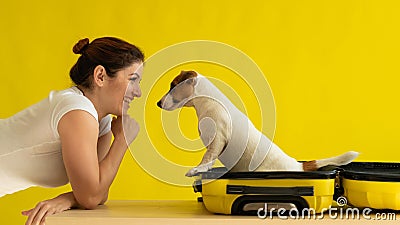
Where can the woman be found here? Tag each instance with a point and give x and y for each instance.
(66, 137)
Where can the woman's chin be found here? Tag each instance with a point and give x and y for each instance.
(124, 109)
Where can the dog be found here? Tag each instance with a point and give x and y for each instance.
(229, 135)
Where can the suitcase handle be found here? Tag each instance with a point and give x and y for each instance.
(292, 191)
(238, 205)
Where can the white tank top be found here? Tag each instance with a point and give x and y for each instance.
(30, 148)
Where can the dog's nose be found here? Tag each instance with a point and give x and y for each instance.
(159, 104)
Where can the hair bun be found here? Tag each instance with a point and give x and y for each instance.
(80, 47)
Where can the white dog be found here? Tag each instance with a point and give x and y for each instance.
(229, 135)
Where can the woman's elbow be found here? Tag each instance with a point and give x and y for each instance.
(105, 198)
(89, 202)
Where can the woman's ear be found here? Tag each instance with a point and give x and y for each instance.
(99, 74)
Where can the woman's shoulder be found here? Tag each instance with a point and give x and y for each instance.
(66, 93)
(70, 99)
(69, 95)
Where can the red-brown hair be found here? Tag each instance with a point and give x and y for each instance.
(112, 53)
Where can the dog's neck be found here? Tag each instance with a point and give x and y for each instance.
(207, 94)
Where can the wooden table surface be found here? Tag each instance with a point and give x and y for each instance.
(177, 212)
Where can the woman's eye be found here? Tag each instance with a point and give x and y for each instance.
(133, 79)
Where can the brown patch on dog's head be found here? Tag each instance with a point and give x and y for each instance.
(184, 75)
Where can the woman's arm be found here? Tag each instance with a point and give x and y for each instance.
(90, 180)
(67, 200)
(103, 146)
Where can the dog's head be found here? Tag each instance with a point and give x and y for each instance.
(182, 88)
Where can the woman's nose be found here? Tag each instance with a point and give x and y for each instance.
(137, 92)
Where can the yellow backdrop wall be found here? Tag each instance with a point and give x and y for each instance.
(332, 67)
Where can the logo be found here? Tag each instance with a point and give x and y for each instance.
(343, 211)
(341, 201)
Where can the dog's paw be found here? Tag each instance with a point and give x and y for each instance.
(198, 169)
(191, 172)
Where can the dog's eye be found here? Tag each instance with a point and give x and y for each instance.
(175, 101)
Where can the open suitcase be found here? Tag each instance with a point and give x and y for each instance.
(374, 185)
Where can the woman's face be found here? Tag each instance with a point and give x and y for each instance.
(124, 87)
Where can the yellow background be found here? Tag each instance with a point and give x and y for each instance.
(332, 67)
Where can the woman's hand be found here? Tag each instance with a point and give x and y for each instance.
(37, 215)
(125, 128)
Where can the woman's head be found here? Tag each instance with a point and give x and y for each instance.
(112, 53)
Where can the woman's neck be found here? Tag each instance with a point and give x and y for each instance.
(95, 99)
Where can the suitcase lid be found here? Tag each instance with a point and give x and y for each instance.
(222, 173)
(372, 171)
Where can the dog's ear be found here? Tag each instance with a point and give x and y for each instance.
(188, 76)
(192, 81)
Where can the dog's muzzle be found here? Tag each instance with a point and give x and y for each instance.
(159, 104)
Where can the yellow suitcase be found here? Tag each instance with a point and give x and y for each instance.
(371, 184)
(245, 193)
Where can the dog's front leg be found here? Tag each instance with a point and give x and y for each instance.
(200, 168)
(212, 153)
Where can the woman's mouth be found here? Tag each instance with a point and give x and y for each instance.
(128, 100)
